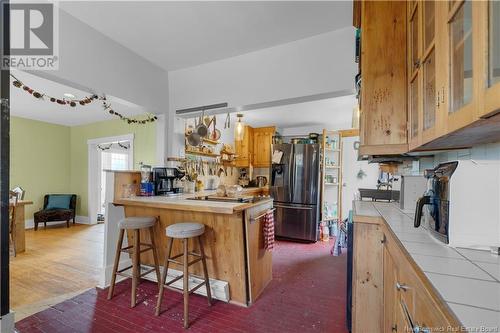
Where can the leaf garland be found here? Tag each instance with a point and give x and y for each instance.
(84, 101)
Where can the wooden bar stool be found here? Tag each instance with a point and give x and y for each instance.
(134, 224)
(184, 231)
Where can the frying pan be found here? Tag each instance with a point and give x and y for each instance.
(194, 139)
(202, 129)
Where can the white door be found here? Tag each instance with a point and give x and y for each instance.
(355, 174)
(111, 160)
(109, 153)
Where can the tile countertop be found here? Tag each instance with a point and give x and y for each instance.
(182, 202)
(468, 280)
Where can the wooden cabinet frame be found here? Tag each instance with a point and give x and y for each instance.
(490, 94)
(380, 123)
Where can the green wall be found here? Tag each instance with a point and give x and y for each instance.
(144, 151)
(39, 159)
(48, 158)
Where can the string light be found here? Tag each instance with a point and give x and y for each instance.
(84, 101)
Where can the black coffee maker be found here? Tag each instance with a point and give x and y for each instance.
(164, 178)
(434, 206)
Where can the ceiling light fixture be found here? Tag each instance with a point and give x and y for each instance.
(69, 96)
(239, 130)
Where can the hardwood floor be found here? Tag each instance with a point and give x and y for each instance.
(59, 262)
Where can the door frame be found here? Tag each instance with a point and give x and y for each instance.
(94, 161)
(6, 316)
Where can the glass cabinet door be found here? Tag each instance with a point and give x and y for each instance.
(429, 65)
(494, 43)
(429, 18)
(414, 72)
(414, 38)
(413, 98)
(460, 56)
(429, 92)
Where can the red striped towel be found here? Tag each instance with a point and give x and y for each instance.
(268, 230)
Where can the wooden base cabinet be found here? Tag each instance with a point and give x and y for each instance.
(390, 292)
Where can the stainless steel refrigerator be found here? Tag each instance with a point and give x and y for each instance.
(295, 189)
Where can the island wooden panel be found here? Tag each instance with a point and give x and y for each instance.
(223, 241)
(260, 261)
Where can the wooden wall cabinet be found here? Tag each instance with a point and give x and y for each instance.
(244, 149)
(383, 104)
(262, 141)
(448, 94)
(390, 293)
(489, 43)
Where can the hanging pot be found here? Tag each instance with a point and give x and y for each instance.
(202, 129)
(194, 139)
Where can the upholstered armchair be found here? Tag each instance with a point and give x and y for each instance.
(56, 207)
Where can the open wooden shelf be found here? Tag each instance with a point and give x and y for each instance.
(210, 142)
(200, 153)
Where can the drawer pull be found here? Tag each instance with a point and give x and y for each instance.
(400, 286)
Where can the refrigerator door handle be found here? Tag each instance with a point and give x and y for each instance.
(293, 207)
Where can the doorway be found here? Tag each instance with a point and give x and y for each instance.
(110, 153)
(355, 174)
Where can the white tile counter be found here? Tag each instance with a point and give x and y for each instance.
(468, 280)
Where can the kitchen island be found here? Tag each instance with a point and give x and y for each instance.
(238, 265)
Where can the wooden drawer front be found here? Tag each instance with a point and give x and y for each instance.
(425, 307)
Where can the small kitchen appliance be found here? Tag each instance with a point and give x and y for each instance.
(466, 204)
(434, 206)
(164, 180)
(261, 181)
(147, 186)
(412, 188)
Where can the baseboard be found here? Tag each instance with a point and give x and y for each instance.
(7, 323)
(219, 288)
(30, 223)
(82, 219)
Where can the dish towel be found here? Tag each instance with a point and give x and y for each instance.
(268, 229)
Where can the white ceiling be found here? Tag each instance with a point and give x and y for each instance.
(179, 34)
(26, 106)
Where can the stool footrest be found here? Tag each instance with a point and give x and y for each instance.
(120, 272)
(189, 263)
(147, 272)
(123, 269)
(168, 286)
(126, 249)
(174, 280)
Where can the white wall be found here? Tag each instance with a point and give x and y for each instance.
(88, 59)
(319, 64)
(305, 130)
(474, 196)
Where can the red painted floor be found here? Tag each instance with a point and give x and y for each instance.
(307, 294)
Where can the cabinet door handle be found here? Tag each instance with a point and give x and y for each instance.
(400, 286)
(416, 64)
(437, 99)
(442, 95)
